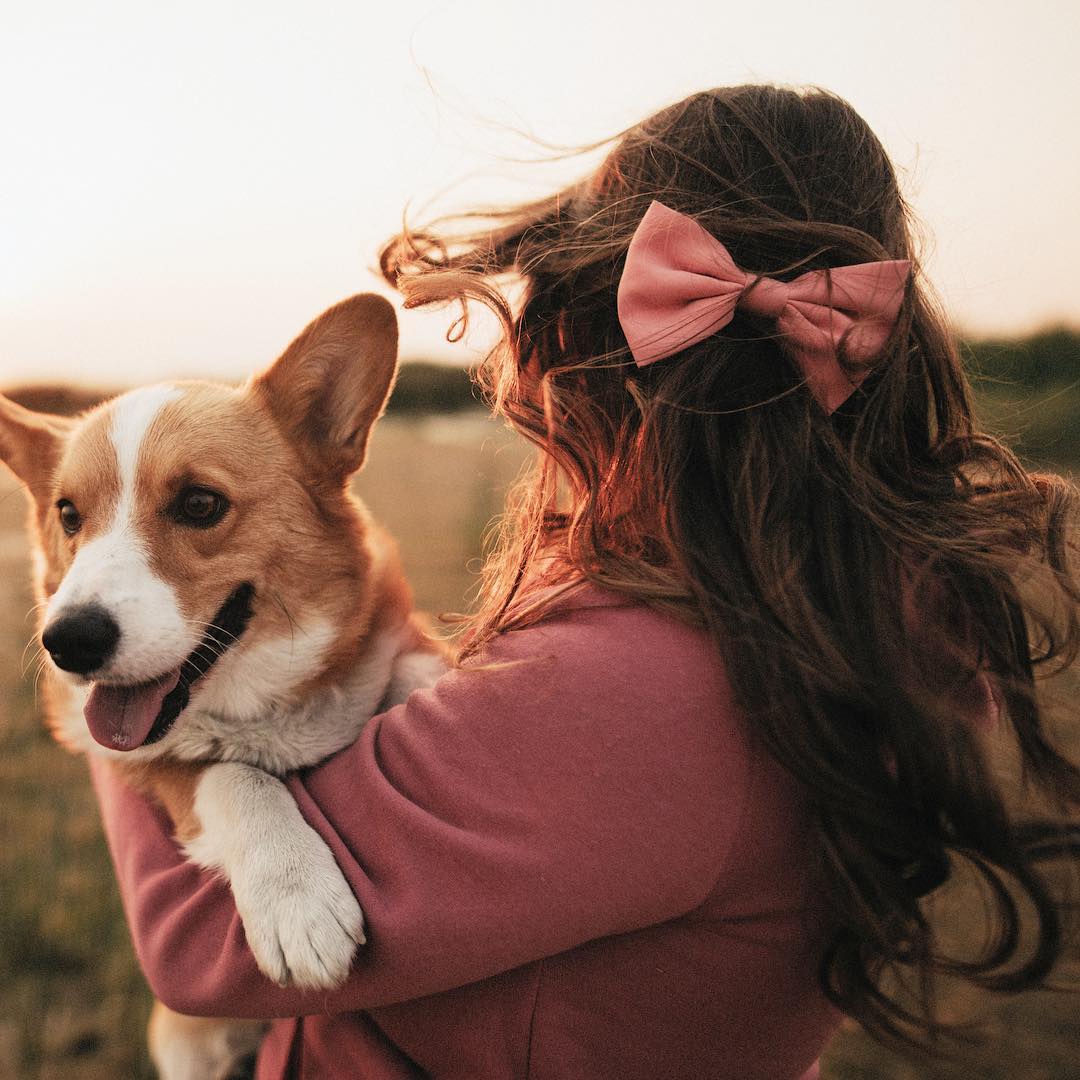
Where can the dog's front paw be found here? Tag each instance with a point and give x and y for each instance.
(302, 921)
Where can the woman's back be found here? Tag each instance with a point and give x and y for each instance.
(747, 404)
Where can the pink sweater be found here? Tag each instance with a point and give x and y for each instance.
(573, 867)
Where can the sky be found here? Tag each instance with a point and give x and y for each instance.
(183, 187)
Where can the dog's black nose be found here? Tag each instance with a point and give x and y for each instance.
(82, 640)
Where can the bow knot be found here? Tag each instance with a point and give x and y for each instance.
(681, 285)
(764, 296)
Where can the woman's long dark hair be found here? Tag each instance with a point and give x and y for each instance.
(865, 575)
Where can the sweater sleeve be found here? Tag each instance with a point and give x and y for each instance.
(586, 780)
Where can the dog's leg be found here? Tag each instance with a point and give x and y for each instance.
(199, 1048)
(188, 1047)
(421, 662)
(170, 783)
(413, 671)
(300, 917)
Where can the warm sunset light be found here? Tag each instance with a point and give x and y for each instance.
(184, 186)
(686, 689)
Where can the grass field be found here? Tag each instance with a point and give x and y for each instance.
(72, 1003)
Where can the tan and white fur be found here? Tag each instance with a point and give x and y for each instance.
(120, 500)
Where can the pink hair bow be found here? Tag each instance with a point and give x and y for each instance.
(680, 285)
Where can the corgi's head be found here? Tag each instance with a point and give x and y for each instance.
(183, 524)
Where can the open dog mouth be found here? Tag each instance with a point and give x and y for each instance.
(127, 717)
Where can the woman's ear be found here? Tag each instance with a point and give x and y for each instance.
(331, 384)
(31, 445)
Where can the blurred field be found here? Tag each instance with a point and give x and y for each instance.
(72, 1003)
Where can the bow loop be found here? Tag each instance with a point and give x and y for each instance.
(680, 285)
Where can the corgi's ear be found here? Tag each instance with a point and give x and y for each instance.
(31, 445)
(331, 384)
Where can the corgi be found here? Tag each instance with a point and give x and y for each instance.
(218, 610)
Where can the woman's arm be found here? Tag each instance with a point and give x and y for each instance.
(589, 785)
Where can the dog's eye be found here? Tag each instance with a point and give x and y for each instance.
(199, 507)
(70, 518)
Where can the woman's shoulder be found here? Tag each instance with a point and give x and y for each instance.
(609, 650)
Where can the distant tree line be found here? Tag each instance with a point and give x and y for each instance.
(422, 387)
(1047, 359)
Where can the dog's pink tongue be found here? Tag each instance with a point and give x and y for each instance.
(120, 717)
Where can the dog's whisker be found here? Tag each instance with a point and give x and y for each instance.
(207, 627)
(39, 606)
(39, 656)
(37, 676)
(35, 644)
(288, 615)
(218, 648)
(215, 654)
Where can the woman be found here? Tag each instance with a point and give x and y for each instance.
(719, 721)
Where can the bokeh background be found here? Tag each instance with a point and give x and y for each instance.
(183, 187)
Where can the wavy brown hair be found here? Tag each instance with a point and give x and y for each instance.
(861, 572)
